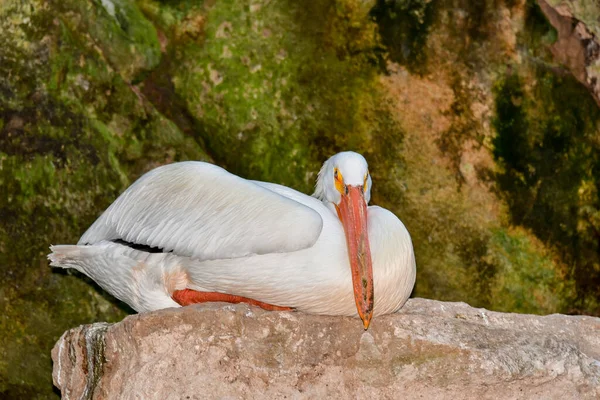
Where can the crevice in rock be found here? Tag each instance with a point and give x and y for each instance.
(94, 352)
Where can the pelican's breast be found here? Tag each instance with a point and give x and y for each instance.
(394, 267)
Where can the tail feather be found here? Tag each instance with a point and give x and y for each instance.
(72, 256)
(132, 276)
(63, 254)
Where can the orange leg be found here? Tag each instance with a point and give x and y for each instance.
(186, 297)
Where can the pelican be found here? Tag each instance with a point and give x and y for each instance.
(191, 232)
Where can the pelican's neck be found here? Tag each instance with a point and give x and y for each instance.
(331, 207)
(320, 187)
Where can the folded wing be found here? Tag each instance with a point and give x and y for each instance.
(199, 210)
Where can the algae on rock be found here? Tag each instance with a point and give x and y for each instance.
(74, 134)
(454, 103)
(277, 86)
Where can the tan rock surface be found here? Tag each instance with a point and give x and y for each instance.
(576, 47)
(431, 350)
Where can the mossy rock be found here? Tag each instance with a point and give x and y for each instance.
(74, 134)
(587, 11)
(95, 93)
(270, 108)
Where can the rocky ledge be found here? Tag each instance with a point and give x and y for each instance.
(430, 350)
(577, 45)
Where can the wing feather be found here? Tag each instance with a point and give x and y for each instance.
(199, 210)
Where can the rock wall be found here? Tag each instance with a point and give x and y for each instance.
(577, 45)
(481, 135)
(430, 350)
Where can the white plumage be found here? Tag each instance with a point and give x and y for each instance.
(221, 233)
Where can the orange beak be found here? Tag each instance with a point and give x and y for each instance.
(353, 214)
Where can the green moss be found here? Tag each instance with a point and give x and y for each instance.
(74, 134)
(127, 40)
(464, 125)
(420, 354)
(404, 26)
(538, 34)
(511, 143)
(548, 160)
(268, 109)
(526, 279)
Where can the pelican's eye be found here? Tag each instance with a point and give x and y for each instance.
(339, 181)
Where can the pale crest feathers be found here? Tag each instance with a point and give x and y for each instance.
(174, 207)
(353, 167)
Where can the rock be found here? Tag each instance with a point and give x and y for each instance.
(429, 350)
(94, 93)
(577, 45)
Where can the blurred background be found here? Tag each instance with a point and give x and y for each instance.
(479, 120)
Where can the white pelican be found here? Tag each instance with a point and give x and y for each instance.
(191, 232)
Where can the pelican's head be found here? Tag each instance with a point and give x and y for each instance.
(346, 169)
(344, 182)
